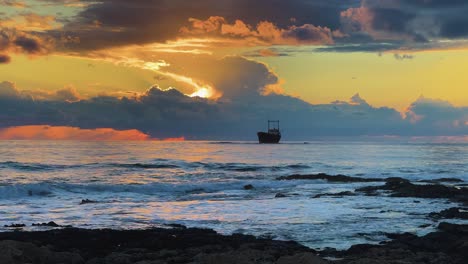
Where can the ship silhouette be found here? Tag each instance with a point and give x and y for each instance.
(273, 135)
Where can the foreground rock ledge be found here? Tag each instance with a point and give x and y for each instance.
(190, 245)
(80, 246)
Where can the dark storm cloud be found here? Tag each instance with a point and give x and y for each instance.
(410, 20)
(16, 41)
(408, 24)
(4, 59)
(118, 22)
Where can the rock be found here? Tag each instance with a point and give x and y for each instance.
(400, 187)
(448, 245)
(451, 213)
(338, 195)
(440, 180)
(87, 201)
(15, 225)
(50, 224)
(14, 252)
(301, 258)
(249, 187)
(330, 178)
(153, 246)
(280, 195)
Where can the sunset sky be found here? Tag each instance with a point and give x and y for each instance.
(213, 69)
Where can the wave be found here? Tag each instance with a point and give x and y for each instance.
(26, 166)
(51, 189)
(156, 164)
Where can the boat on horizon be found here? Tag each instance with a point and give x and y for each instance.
(273, 136)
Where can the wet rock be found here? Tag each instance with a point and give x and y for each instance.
(15, 252)
(157, 245)
(441, 180)
(49, 224)
(15, 226)
(249, 187)
(280, 195)
(337, 195)
(451, 213)
(301, 258)
(87, 201)
(400, 187)
(330, 178)
(448, 245)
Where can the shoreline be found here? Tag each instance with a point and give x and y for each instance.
(179, 244)
(193, 245)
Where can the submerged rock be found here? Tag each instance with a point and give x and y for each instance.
(249, 187)
(338, 195)
(280, 195)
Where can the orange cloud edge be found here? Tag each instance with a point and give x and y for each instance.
(47, 132)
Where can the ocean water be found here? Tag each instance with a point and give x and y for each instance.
(200, 184)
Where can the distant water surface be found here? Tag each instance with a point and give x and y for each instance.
(200, 184)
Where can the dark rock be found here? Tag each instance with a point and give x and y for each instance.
(301, 258)
(330, 178)
(400, 187)
(441, 180)
(157, 245)
(248, 187)
(15, 225)
(451, 213)
(338, 195)
(280, 195)
(15, 252)
(448, 245)
(50, 224)
(87, 201)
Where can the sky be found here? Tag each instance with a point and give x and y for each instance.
(219, 69)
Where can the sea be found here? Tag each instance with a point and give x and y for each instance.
(139, 185)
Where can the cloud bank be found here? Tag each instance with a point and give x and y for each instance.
(239, 113)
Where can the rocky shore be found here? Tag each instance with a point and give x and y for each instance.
(448, 245)
(178, 244)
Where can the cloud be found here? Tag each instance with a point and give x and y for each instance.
(4, 59)
(417, 25)
(15, 41)
(16, 4)
(265, 33)
(437, 117)
(44, 132)
(169, 113)
(110, 23)
(8, 90)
